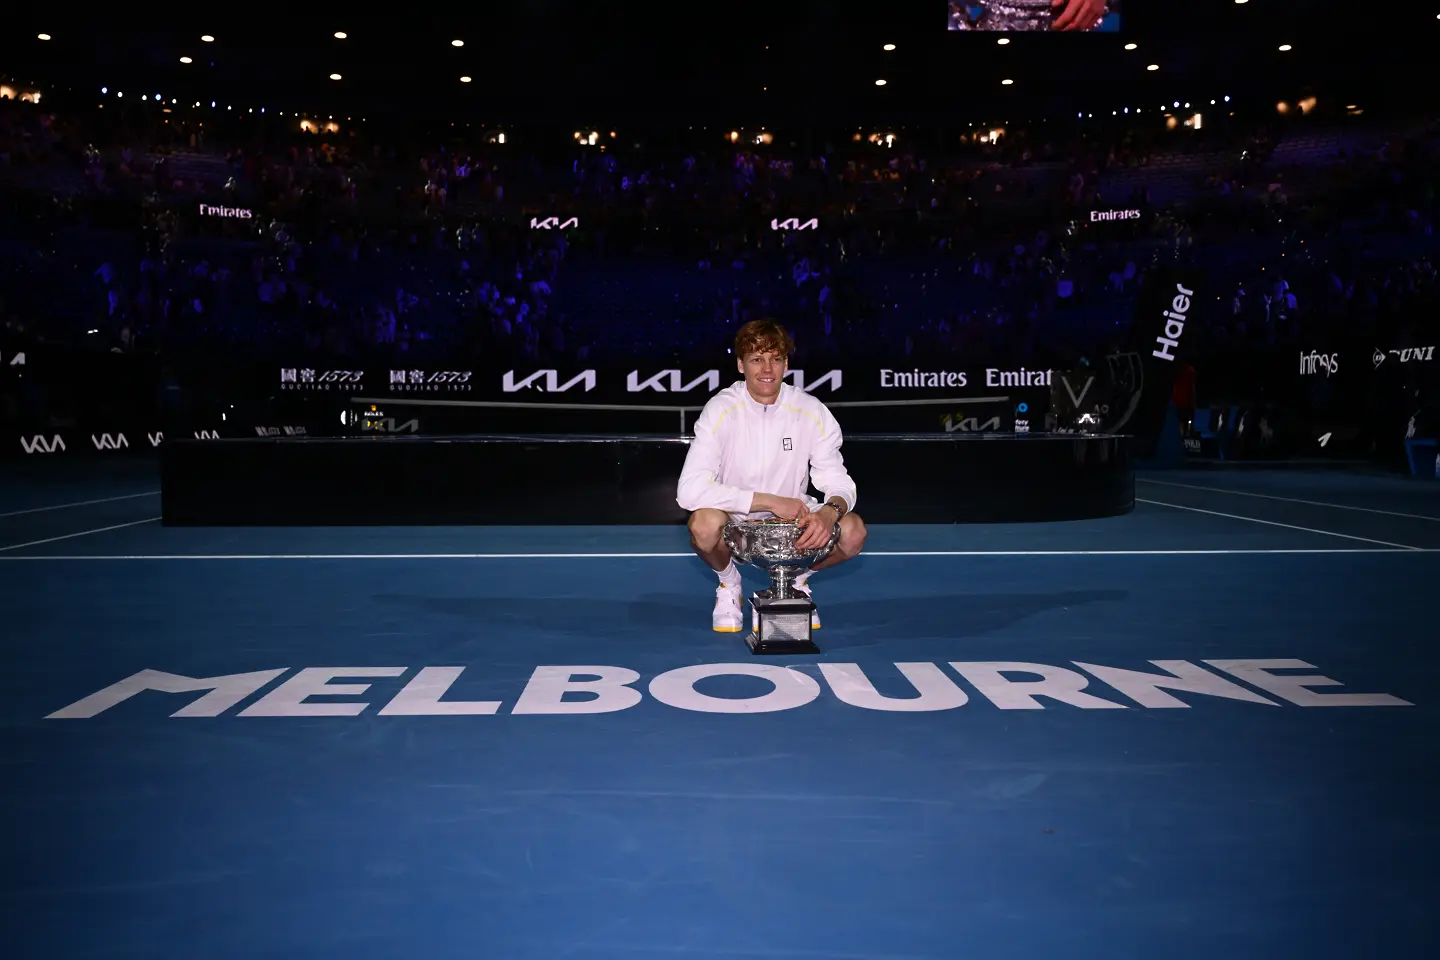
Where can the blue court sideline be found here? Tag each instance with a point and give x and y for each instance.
(1102, 739)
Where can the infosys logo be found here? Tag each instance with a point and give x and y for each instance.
(231, 213)
(1313, 362)
(1174, 323)
(1097, 216)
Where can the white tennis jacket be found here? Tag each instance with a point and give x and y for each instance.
(743, 447)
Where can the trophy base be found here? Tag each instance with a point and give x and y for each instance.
(779, 627)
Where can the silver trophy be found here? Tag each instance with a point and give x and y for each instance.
(779, 616)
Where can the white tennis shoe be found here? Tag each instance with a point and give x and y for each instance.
(804, 588)
(728, 616)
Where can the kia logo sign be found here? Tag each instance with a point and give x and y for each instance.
(229, 213)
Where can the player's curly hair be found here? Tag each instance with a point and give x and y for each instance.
(763, 335)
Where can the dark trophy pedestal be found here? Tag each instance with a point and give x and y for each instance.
(780, 626)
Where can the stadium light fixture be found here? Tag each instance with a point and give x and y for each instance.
(335, 76)
(1132, 46)
(43, 36)
(341, 35)
(879, 83)
(1285, 48)
(888, 46)
(186, 60)
(207, 38)
(1006, 83)
(464, 79)
(457, 43)
(1153, 66)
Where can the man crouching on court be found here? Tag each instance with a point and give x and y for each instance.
(757, 442)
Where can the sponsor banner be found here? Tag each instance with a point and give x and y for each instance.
(577, 691)
(79, 442)
(1402, 357)
(1142, 383)
(226, 213)
(1115, 215)
(1319, 363)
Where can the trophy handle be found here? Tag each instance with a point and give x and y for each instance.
(730, 532)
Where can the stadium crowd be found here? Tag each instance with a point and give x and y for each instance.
(150, 234)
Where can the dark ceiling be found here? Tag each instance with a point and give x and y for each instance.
(741, 62)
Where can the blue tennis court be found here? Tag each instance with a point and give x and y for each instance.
(1208, 727)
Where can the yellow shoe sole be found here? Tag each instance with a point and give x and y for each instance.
(727, 629)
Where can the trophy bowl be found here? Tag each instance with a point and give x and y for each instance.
(780, 616)
(770, 545)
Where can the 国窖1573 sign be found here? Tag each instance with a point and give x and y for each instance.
(590, 689)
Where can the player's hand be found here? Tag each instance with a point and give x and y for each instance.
(815, 528)
(787, 508)
(1077, 14)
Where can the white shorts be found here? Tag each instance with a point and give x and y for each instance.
(811, 504)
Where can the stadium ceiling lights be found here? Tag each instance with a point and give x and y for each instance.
(464, 79)
(457, 43)
(1286, 48)
(1006, 83)
(42, 36)
(1153, 66)
(341, 35)
(335, 76)
(879, 83)
(1003, 41)
(889, 46)
(1131, 46)
(207, 38)
(186, 60)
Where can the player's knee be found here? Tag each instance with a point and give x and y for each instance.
(852, 534)
(705, 528)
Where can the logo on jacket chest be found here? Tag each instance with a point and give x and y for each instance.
(787, 444)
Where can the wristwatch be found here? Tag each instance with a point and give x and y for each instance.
(840, 508)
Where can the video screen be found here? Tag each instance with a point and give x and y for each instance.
(1035, 16)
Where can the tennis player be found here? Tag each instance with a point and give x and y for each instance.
(759, 444)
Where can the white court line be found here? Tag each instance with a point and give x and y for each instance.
(68, 536)
(642, 556)
(1272, 523)
(1313, 503)
(80, 503)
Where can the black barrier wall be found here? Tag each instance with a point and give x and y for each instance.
(618, 480)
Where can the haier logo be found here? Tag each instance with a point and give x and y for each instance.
(1097, 216)
(672, 381)
(229, 213)
(794, 224)
(580, 691)
(1016, 378)
(554, 223)
(547, 381)
(1407, 355)
(1174, 323)
(831, 379)
(40, 445)
(1312, 363)
(919, 379)
(106, 442)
